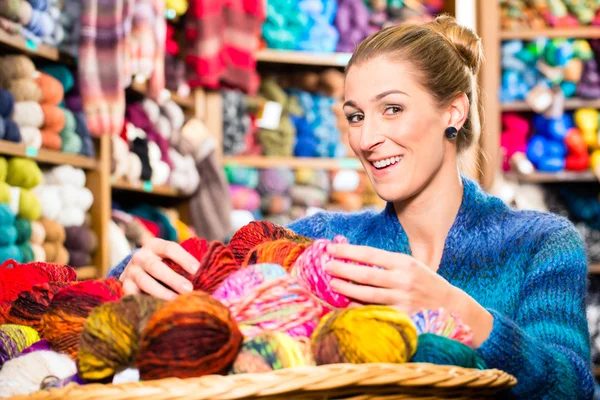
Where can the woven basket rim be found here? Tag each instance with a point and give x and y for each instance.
(420, 380)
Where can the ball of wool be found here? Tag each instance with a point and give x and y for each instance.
(51, 140)
(163, 127)
(134, 173)
(308, 196)
(10, 252)
(54, 232)
(7, 217)
(24, 375)
(3, 169)
(70, 123)
(8, 235)
(441, 350)
(256, 232)
(275, 181)
(65, 317)
(14, 339)
(38, 233)
(28, 113)
(196, 328)
(111, 336)
(5, 196)
(243, 176)
(265, 297)
(26, 252)
(41, 345)
(24, 173)
(7, 103)
(31, 137)
(52, 91)
(87, 144)
(53, 117)
(65, 175)
(309, 270)
(80, 238)
(369, 334)
(25, 90)
(56, 253)
(62, 74)
(41, 23)
(12, 132)
(443, 323)
(175, 115)
(38, 252)
(282, 252)
(16, 67)
(79, 258)
(71, 142)
(275, 204)
(160, 173)
(241, 218)
(152, 109)
(71, 217)
(23, 228)
(25, 13)
(346, 181)
(29, 307)
(29, 206)
(271, 351)
(10, 9)
(244, 198)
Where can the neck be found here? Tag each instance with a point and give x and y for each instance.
(428, 216)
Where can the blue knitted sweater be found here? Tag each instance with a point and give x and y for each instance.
(528, 269)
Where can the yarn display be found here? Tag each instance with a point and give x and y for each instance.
(236, 122)
(441, 322)
(367, 334)
(180, 331)
(520, 15)
(14, 339)
(54, 240)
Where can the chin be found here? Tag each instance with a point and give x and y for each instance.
(392, 192)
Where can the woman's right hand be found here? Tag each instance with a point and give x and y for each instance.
(146, 269)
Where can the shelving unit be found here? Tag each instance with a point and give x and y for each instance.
(563, 176)
(585, 32)
(46, 156)
(303, 58)
(570, 104)
(146, 187)
(331, 164)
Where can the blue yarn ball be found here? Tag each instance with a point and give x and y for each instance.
(8, 235)
(7, 103)
(440, 350)
(40, 5)
(12, 133)
(7, 217)
(10, 252)
(306, 147)
(41, 23)
(2, 128)
(551, 164)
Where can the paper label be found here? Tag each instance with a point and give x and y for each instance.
(31, 45)
(270, 115)
(147, 186)
(31, 151)
(349, 163)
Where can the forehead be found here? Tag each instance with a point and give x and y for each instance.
(378, 75)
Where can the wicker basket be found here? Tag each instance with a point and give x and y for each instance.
(349, 381)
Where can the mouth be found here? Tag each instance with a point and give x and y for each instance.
(386, 163)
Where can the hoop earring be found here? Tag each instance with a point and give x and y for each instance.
(451, 132)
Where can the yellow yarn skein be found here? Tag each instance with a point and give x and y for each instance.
(29, 206)
(369, 334)
(3, 169)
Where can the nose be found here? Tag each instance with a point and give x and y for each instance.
(370, 136)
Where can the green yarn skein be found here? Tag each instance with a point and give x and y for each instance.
(3, 169)
(26, 252)
(440, 350)
(23, 230)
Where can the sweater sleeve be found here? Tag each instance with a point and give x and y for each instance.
(315, 227)
(546, 347)
(117, 270)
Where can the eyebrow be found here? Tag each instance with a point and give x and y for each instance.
(376, 98)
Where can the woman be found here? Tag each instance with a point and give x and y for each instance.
(517, 278)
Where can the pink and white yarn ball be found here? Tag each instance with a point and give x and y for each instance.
(309, 271)
(443, 323)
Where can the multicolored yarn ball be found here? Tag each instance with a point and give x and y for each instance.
(29, 308)
(256, 232)
(275, 181)
(271, 351)
(193, 335)
(66, 315)
(14, 339)
(41, 345)
(264, 297)
(111, 336)
(283, 252)
(369, 334)
(440, 350)
(443, 323)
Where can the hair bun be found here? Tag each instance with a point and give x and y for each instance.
(463, 39)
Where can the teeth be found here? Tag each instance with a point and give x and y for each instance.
(388, 161)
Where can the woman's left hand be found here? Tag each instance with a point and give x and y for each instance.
(402, 282)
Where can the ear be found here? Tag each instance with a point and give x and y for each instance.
(459, 111)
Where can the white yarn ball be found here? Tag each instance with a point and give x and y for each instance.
(77, 197)
(39, 254)
(65, 175)
(31, 137)
(28, 113)
(184, 176)
(120, 150)
(134, 172)
(240, 218)
(164, 127)
(152, 109)
(130, 132)
(154, 153)
(140, 133)
(51, 200)
(15, 198)
(24, 375)
(176, 117)
(160, 173)
(71, 217)
(346, 181)
(119, 246)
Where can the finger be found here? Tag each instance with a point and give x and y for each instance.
(364, 294)
(160, 271)
(129, 287)
(370, 256)
(175, 252)
(363, 275)
(150, 286)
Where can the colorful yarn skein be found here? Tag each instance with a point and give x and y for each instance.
(111, 336)
(282, 252)
(443, 323)
(66, 315)
(369, 334)
(265, 297)
(440, 350)
(14, 339)
(271, 351)
(191, 336)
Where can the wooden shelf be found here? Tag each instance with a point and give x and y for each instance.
(184, 102)
(47, 156)
(563, 176)
(595, 270)
(41, 50)
(570, 104)
(85, 273)
(303, 58)
(295, 162)
(583, 32)
(164, 191)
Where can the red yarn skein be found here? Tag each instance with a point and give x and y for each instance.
(16, 278)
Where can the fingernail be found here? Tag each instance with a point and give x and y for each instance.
(187, 287)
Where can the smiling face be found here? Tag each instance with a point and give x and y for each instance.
(396, 128)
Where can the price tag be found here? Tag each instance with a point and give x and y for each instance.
(31, 45)
(31, 152)
(342, 59)
(147, 186)
(270, 115)
(349, 163)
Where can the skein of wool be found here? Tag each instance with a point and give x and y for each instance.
(12, 132)
(41, 345)
(24, 375)
(31, 137)
(87, 144)
(66, 315)
(65, 175)
(308, 196)
(23, 228)
(56, 253)
(29, 206)
(15, 67)
(14, 339)
(244, 198)
(25, 90)
(39, 255)
(26, 252)
(111, 336)
(275, 204)
(71, 142)
(52, 91)
(79, 258)
(29, 307)
(271, 351)
(196, 328)
(80, 238)
(266, 297)
(54, 118)
(28, 114)
(7, 103)
(54, 232)
(140, 148)
(369, 334)
(443, 323)
(62, 74)
(23, 173)
(185, 176)
(441, 350)
(242, 176)
(282, 252)
(256, 232)
(51, 140)
(41, 24)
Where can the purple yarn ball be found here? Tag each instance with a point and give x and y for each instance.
(275, 181)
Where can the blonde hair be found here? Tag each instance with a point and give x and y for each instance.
(447, 57)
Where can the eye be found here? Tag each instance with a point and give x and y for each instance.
(355, 118)
(392, 110)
